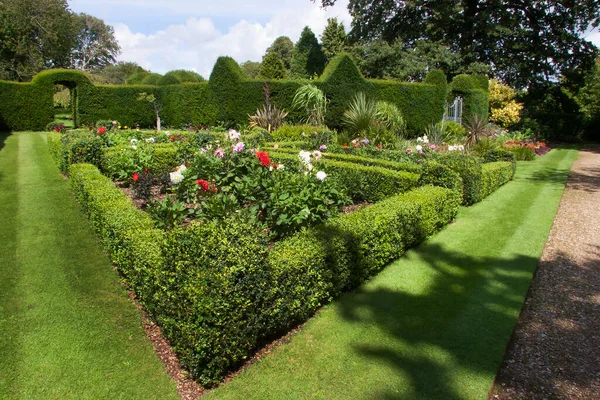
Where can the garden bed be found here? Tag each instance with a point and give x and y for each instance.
(261, 246)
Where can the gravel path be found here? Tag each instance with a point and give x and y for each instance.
(554, 352)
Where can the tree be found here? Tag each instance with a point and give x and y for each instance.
(379, 59)
(334, 39)
(272, 67)
(157, 105)
(178, 76)
(308, 59)
(251, 68)
(283, 46)
(34, 35)
(117, 74)
(95, 46)
(525, 42)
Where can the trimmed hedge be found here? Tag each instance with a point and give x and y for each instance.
(496, 174)
(362, 183)
(218, 291)
(228, 97)
(74, 147)
(475, 92)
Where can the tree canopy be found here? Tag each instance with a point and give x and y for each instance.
(524, 42)
(272, 67)
(308, 59)
(41, 34)
(284, 47)
(334, 39)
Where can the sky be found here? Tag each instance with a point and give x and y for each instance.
(162, 35)
(186, 34)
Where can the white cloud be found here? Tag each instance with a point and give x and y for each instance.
(197, 43)
(594, 37)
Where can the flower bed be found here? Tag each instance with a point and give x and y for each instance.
(264, 246)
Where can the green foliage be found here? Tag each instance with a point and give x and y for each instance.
(250, 68)
(116, 74)
(469, 170)
(151, 79)
(75, 147)
(272, 67)
(334, 39)
(521, 153)
(360, 115)
(308, 59)
(137, 78)
(437, 174)
(436, 132)
(454, 132)
(313, 102)
(168, 213)
(496, 174)
(167, 79)
(361, 182)
(178, 76)
(295, 133)
(474, 91)
(25, 106)
(389, 118)
(95, 43)
(476, 29)
(284, 47)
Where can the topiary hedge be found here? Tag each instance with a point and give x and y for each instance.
(496, 174)
(74, 147)
(474, 90)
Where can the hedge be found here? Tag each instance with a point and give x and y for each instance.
(362, 183)
(74, 147)
(217, 289)
(228, 97)
(496, 174)
(474, 90)
(164, 157)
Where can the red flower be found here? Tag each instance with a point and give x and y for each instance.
(187, 165)
(379, 146)
(345, 144)
(90, 128)
(172, 138)
(101, 130)
(202, 183)
(135, 177)
(146, 170)
(264, 158)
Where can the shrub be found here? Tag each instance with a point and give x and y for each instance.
(496, 174)
(303, 133)
(75, 147)
(313, 102)
(151, 79)
(361, 182)
(469, 170)
(521, 153)
(454, 132)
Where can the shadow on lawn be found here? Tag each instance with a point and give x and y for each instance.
(3, 137)
(463, 321)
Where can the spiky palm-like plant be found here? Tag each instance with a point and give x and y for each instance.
(360, 115)
(390, 117)
(312, 100)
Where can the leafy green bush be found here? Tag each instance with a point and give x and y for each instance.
(496, 174)
(454, 132)
(521, 153)
(499, 155)
(303, 133)
(75, 147)
(361, 182)
(437, 174)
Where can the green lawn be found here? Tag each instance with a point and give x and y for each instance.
(65, 118)
(434, 324)
(67, 328)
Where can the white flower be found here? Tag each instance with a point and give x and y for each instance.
(150, 140)
(321, 176)
(419, 140)
(176, 177)
(425, 140)
(270, 168)
(133, 146)
(317, 155)
(167, 133)
(304, 157)
(233, 134)
(133, 141)
(181, 168)
(419, 147)
(280, 167)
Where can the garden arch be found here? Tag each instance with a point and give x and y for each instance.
(73, 80)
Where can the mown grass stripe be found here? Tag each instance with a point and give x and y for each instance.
(78, 334)
(435, 323)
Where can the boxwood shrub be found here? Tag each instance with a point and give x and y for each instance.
(496, 174)
(218, 291)
(362, 183)
(74, 147)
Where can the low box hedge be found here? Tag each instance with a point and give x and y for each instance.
(117, 162)
(74, 147)
(362, 183)
(218, 291)
(496, 174)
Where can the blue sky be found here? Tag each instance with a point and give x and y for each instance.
(186, 34)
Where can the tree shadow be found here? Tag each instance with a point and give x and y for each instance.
(3, 137)
(466, 316)
(553, 352)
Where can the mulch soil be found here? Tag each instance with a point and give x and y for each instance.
(554, 352)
